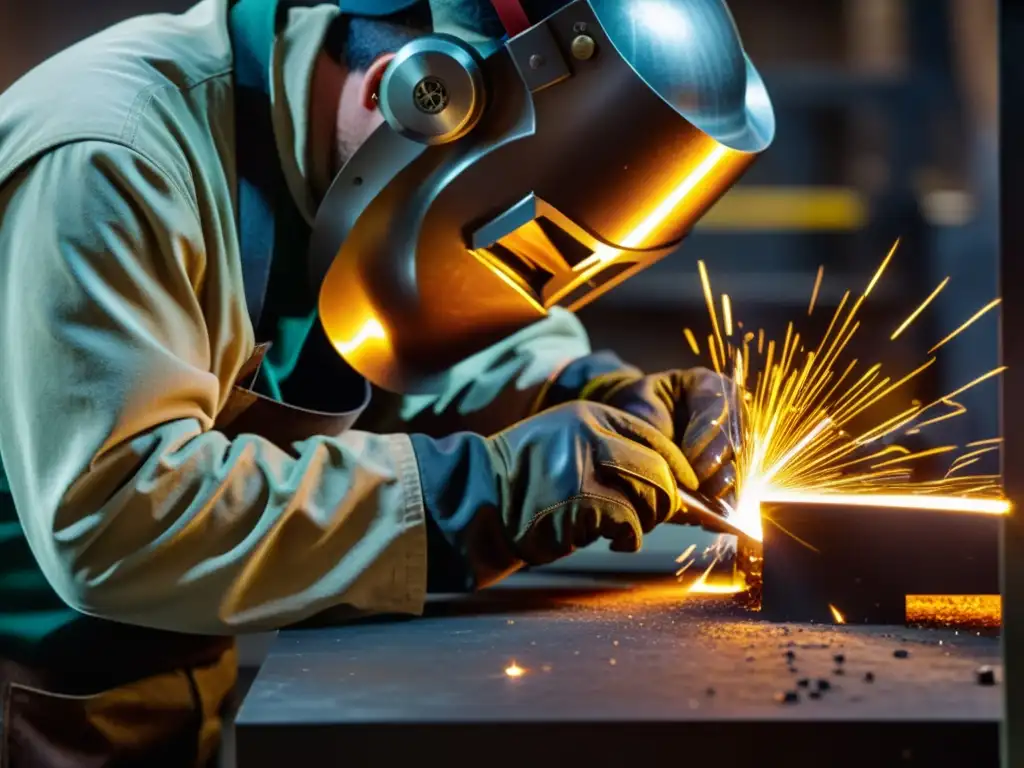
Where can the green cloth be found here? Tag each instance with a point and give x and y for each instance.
(289, 310)
(31, 610)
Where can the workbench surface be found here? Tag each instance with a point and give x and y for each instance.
(617, 670)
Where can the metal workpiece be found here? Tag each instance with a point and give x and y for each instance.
(574, 671)
(864, 562)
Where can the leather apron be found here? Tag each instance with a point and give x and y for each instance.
(156, 700)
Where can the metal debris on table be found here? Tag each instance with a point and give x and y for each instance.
(986, 676)
(439, 682)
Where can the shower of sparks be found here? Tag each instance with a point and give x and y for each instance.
(913, 315)
(840, 619)
(804, 436)
(514, 670)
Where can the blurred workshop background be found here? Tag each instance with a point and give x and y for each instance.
(886, 114)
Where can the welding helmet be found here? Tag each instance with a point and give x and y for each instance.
(534, 171)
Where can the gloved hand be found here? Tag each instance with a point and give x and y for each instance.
(543, 488)
(698, 409)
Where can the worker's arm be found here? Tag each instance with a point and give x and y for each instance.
(503, 384)
(113, 322)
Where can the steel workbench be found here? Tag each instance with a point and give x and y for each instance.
(616, 670)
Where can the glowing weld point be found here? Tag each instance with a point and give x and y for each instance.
(840, 619)
(514, 670)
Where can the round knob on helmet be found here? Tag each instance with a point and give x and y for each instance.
(433, 91)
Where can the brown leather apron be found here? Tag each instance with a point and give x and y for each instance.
(159, 703)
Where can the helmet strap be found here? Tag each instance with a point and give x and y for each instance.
(512, 16)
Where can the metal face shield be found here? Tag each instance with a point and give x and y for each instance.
(537, 174)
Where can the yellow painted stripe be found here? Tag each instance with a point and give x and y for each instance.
(748, 208)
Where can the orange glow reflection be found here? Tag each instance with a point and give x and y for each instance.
(733, 584)
(604, 253)
(371, 330)
(922, 502)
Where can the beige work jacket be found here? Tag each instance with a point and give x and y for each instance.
(123, 326)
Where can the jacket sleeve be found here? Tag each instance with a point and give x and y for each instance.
(493, 389)
(112, 326)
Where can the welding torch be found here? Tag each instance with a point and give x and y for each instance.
(711, 514)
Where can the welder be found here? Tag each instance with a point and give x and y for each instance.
(221, 231)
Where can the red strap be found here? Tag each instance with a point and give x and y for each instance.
(512, 16)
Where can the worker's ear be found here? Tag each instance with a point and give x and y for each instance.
(371, 83)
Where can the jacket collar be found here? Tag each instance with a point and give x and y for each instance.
(294, 54)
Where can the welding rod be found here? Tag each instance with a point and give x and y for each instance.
(711, 514)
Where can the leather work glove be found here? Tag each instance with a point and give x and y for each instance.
(543, 488)
(699, 410)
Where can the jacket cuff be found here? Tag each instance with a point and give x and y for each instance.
(467, 547)
(409, 577)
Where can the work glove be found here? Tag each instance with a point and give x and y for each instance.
(699, 410)
(543, 488)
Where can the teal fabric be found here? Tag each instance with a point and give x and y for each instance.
(29, 608)
(289, 310)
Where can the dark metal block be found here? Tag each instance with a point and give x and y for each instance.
(865, 561)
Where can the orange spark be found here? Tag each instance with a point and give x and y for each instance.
(985, 506)
(814, 293)
(906, 323)
(992, 304)
(691, 340)
(881, 269)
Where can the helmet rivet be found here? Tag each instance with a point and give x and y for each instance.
(583, 47)
(536, 61)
